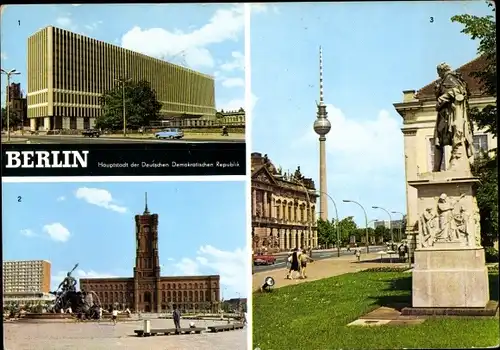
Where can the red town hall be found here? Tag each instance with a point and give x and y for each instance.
(147, 291)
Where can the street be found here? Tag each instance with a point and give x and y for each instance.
(69, 139)
(316, 255)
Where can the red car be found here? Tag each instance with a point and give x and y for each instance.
(264, 260)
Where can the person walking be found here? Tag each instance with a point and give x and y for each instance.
(358, 254)
(176, 315)
(294, 265)
(114, 315)
(304, 258)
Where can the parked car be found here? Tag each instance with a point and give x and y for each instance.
(170, 133)
(91, 133)
(264, 260)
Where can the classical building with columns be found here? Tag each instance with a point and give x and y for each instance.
(68, 73)
(418, 111)
(283, 208)
(147, 290)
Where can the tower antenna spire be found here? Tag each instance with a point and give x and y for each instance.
(146, 202)
(320, 76)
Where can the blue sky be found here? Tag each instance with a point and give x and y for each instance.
(207, 38)
(372, 51)
(202, 228)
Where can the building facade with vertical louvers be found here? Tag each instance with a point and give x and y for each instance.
(68, 72)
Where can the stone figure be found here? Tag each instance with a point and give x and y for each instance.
(445, 208)
(69, 282)
(453, 126)
(461, 227)
(428, 228)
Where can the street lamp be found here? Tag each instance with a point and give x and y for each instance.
(336, 217)
(402, 220)
(366, 222)
(8, 74)
(390, 221)
(122, 82)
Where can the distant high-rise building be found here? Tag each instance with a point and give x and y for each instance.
(26, 276)
(68, 73)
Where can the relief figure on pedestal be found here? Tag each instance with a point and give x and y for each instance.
(427, 227)
(461, 226)
(445, 208)
(453, 125)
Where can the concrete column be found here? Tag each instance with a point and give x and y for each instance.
(66, 123)
(323, 200)
(50, 71)
(293, 241)
(300, 236)
(33, 124)
(92, 122)
(412, 170)
(46, 123)
(254, 202)
(282, 239)
(79, 123)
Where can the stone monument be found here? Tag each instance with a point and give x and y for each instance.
(450, 270)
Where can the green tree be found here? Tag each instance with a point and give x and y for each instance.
(347, 227)
(141, 106)
(485, 167)
(326, 232)
(15, 119)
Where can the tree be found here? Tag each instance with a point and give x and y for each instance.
(347, 227)
(15, 119)
(141, 106)
(485, 167)
(326, 232)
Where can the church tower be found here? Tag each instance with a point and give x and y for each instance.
(147, 262)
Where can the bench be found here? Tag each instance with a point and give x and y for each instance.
(168, 331)
(227, 327)
(390, 253)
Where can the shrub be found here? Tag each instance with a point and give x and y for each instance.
(491, 254)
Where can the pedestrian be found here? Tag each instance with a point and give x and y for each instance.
(294, 264)
(358, 254)
(176, 315)
(114, 315)
(401, 251)
(304, 258)
(99, 317)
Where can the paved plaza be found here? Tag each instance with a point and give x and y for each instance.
(105, 336)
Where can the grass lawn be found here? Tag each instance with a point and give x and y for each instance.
(315, 315)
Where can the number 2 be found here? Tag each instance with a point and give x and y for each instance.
(19, 199)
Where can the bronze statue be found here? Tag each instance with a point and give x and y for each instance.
(69, 282)
(453, 126)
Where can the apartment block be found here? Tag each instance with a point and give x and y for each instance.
(69, 72)
(26, 276)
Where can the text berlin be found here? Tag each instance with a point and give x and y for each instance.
(46, 159)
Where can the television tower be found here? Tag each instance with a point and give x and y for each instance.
(322, 127)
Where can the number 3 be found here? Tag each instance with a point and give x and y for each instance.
(432, 19)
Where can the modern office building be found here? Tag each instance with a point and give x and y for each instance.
(68, 72)
(283, 208)
(26, 276)
(147, 291)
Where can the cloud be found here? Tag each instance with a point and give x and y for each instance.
(27, 232)
(65, 22)
(57, 232)
(264, 8)
(93, 26)
(77, 274)
(238, 103)
(230, 265)
(61, 198)
(226, 24)
(233, 82)
(3, 56)
(362, 144)
(76, 5)
(237, 62)
(101, 198)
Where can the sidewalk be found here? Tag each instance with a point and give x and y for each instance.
(323, 269)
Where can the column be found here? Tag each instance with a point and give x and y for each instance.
(265, 205)
(254, 202)
(300, 236)
(92, 123)
(33, 124)
(46, 123)
(412, 169)
(79, 123)
(293, 240)
(282, 239)
(65, 123)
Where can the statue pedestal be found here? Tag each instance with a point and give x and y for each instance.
(450, 269)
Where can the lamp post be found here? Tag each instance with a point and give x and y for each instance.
(122, 82)
(337, 218)
(390, 221)
(7, 107)
(366, 222)
(402, 220)
(309, 218)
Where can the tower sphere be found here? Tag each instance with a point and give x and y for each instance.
(322, 126)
